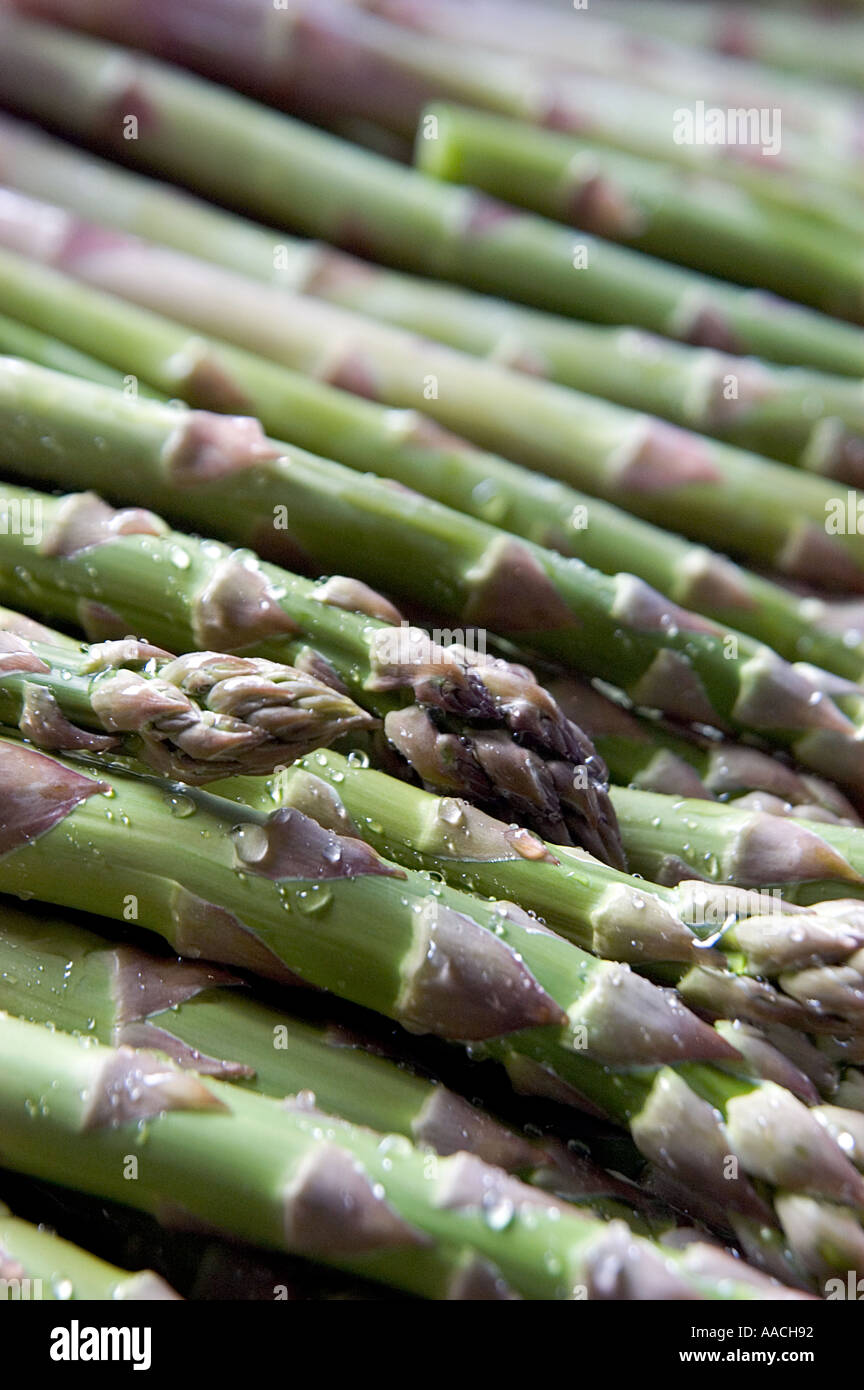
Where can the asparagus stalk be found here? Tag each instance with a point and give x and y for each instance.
(705, 488)
(17, 340)
(279, 1177)
(197, 717)
(643, 753)
(281, 895)
(365, 937)
(798, 416)
(651, 755)
(645, 205)
(487, 487)
(239, 152)
(668, 837)
(383, 74)
(551, 777)
(59, 973)
(37, 1265)
(587, 44)
(199, 466)
(808, 44)
(710, 839)
(698, 933)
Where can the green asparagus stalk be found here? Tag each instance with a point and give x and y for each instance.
(302, 1181)
(17, 340)
(670, 837)
(550, 777)
(425, 968)
(36, 1265)
(199, 467)
(641, 752)
(705, 488)
(383, 74)
(812, 45)
(281, 895)
(652, 755)
(798, 416)
(58, 972)
(415, 454)
(239, 152)
(589, 44)
(196, 718)
(646, 205)
(700, 934)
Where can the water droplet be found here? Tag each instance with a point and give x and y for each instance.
(250, 842)
(313, 900)
(450, 811)
(499, 1213)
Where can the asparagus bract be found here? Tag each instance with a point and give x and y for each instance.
(667, 837)
(235, 150)
(656, 756)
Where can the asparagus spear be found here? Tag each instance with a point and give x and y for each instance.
(35, 1264)
(363, 434)
(58, 972)
(196, 717)
(234, 150)
(305, 1182)
(643, 753)
(551, 777)
(808, 418)
(199, 466)
(17, 340)
(805, 44)
(488, 487)
(666, 837)
(588, 44)
(696, 932)
(712, 838)
(686, 1120)
(383, 74)
(281, 895)
(653, 755)
(645, 205)
(705, 488)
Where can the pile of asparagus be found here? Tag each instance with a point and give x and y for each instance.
(432, 674)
